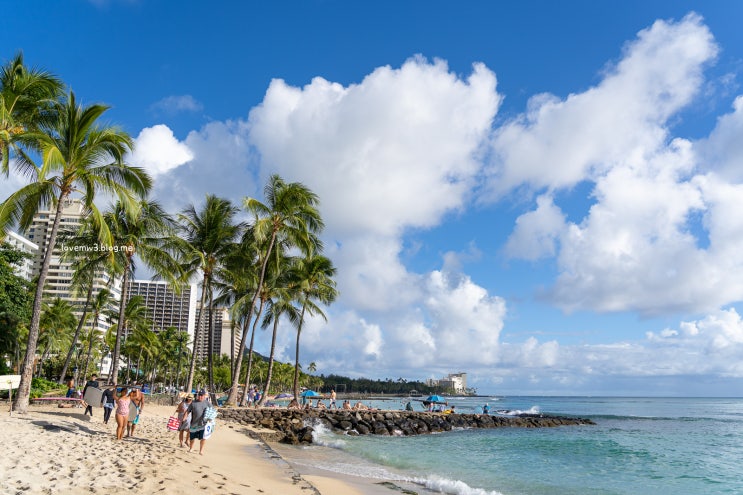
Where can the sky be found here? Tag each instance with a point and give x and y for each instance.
(544, 195)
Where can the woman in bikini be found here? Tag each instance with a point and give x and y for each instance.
(122, 413)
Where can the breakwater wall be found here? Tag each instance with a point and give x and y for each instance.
(295, 426)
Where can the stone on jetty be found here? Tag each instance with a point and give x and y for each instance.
(295, 426)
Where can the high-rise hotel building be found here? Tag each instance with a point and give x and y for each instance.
(165, 307)
(222, 328)
(59, 278)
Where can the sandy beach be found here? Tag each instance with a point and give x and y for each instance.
(52, 450)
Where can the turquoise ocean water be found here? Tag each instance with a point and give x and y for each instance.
(654, 446)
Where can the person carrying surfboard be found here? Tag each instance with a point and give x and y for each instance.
(93, 382)
(197, 409)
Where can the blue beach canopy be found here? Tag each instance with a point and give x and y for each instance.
(309, 393)
(435, 398)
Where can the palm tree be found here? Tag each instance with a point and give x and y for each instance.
(87, 267)
(290, 217)
(169, 346)
(26, 95)
(135, 321)
(78, 156)
(56, 324)
(280, 306)
(235, 283)
(144, 343)
(208, 237)
(100, 302)
(313, 276)
(148, 232)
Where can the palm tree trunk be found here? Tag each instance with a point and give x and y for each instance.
(235, 379)
(210, 353)
(250, 353)
(77, 333)
(44, 357)
(120, 327)
(27, 368)
(139, 365)
(295, 388)
(232, 399)
(90, 350)
(197, 332)
(233, 325)
(270, 362)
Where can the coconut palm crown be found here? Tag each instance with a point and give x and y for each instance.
(78, 157)
(26, 95)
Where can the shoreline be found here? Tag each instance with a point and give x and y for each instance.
(61, 451)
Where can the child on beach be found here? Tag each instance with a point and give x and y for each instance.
(185, 418)
(122, 413)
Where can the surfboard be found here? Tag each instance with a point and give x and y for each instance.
(209, 428)
(93, 396)
(133, 411)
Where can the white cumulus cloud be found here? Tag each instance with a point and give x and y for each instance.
(157, 150)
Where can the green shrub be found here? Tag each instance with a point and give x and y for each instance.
(40, 386)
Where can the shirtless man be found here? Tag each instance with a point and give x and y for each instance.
(137, 398)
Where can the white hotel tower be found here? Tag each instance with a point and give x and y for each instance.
(59, 278)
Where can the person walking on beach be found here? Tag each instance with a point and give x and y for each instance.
(93, 382)
(108, 401)
(332, 399)
(185, 418)
(137, 398)
(197, 410)
(122, 413)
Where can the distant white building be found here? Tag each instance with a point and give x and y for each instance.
(26, 268)
(456, 382)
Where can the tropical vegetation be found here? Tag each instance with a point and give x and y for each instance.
(269, 271)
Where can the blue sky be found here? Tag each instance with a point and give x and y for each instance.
(544, 195)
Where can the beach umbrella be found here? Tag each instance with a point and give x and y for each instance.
(310, 393)
(437, 399)
(284, 396)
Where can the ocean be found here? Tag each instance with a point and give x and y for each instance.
(654, 446)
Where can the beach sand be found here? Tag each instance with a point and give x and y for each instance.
(52, 450)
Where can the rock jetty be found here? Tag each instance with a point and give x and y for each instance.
(296, 426)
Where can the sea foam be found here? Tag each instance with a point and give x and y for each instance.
(452, 487)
